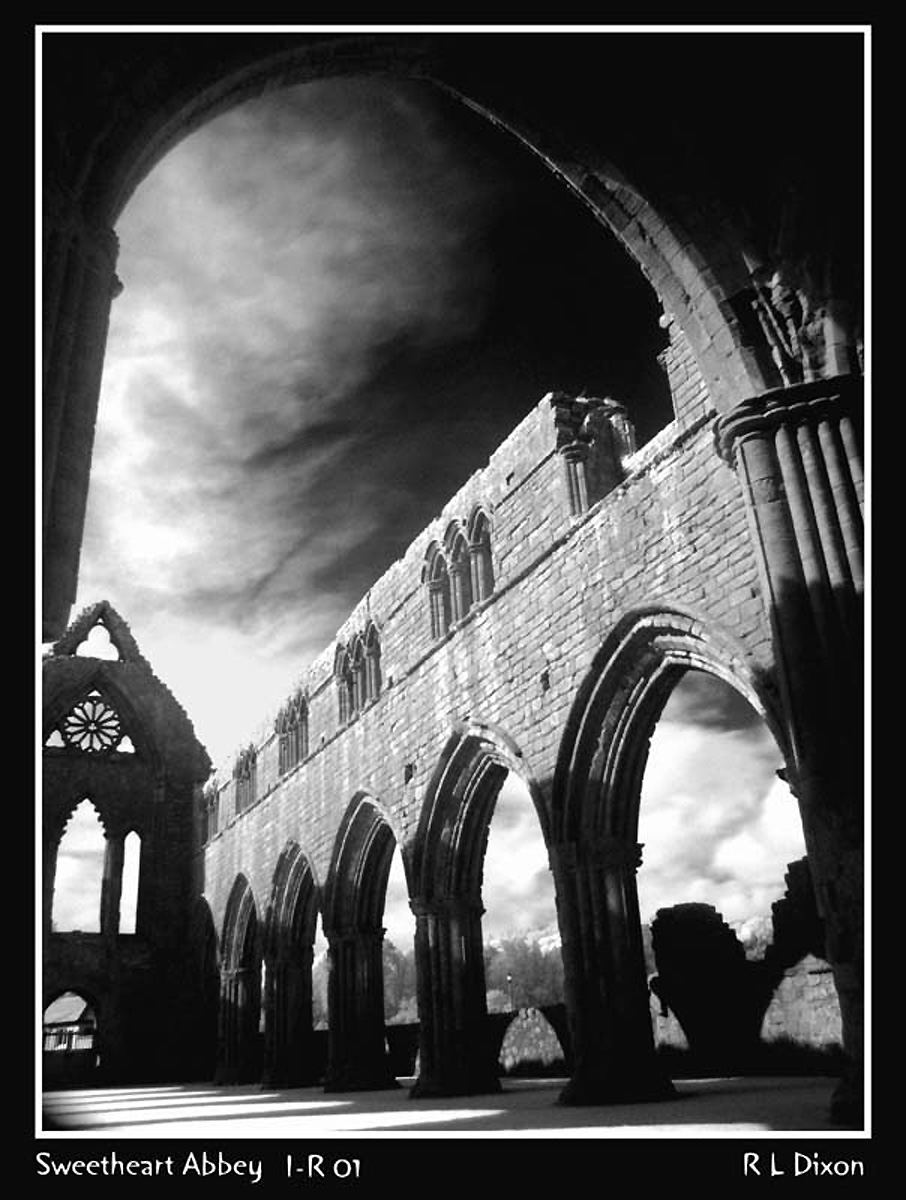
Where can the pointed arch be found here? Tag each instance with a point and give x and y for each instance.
(437, 580)
(353, 924)
(597, 780)
(78, 869)
(289, 1058)
(594, 849)
(446, 869)
(460, 575)
(372, 662)
(342, 673)
(482, 561)
(239, 1049)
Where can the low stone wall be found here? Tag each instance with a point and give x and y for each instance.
(805, 1010)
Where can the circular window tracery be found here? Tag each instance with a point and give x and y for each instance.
(92, 726)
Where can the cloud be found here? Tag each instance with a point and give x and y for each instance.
(717, 824)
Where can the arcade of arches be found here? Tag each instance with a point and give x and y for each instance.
(732, 544)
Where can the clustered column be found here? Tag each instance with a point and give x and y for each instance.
(237, 1031)
(289, 1058)
(797, 453)
(604, 967)
(357, 1057)
(454, 1051)
(79, 284)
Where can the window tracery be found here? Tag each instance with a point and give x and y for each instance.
(292, 732)
(245, 774)
(92, 726)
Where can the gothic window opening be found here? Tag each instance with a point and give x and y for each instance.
(292, 732)
(438, 580)
(210, 814)
(461, 577)
(92, 726)
(99, 644)
(79, 873)
(482, 565)
(345, 696)
(245, 774)
(69, 1024)
(372, 664)
(358, 677)
(132, 852)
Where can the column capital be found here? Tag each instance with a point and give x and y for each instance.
(763, 414)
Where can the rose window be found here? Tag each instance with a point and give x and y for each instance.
(92, 726)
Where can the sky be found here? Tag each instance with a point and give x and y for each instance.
(321, 288)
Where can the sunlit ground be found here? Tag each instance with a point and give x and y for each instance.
(702, 1108)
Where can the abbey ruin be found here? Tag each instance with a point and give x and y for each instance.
(536, 626)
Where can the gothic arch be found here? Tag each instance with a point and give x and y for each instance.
(594, 851)
(239, 1051)
(98, 676)
(693, 276)
(353, 915)
(289, 935)
(757, 310)
(605, 744)
(449, 849)
(447, 861)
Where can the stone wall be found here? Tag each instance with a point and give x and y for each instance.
(805, 1009)
(672, 534)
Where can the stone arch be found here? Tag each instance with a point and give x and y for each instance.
(446, 871)
(102, 680)
(353, 925)
(594, 852)
(289, 1059)
(373, 681)
(71, 1048)
(460, 573)
(436, 576)
(752, 319)
(239, 1050)
(342, 673)
(693, 276)
(478, 530)
(605, 743)
(97, 876)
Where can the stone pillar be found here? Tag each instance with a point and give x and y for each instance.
(797, 453)
(455, 1053)
(461, 588)
(575, 457)
(439, 600)
(238, 1060)
(111, 886)
(289, 1059)
(480, 566)
(357, 1059)
(79, 283)
(604, 967)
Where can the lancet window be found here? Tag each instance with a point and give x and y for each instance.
(292, 732)
(245, 772)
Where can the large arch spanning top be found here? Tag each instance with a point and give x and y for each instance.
(764, 289)
(691, 277)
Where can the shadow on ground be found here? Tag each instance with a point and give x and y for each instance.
(701, 1107)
